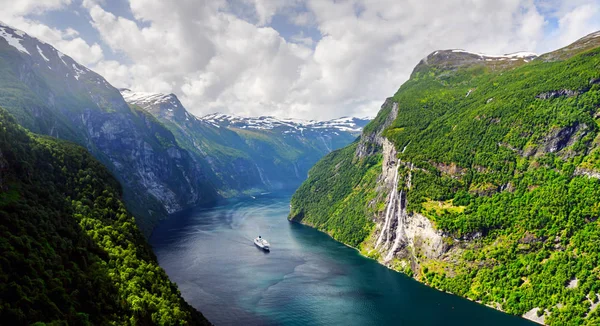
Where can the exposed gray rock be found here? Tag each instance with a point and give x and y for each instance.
(558, 139)
(557, 93)
(371, 143)
(587, 173)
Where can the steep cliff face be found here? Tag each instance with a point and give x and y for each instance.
(479, 177)
(49, 93)
(403, 238)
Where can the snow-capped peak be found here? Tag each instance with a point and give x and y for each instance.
(145, 98)
(168, 105)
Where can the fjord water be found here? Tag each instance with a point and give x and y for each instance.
(306, 279)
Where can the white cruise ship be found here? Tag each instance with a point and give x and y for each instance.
(262, 243)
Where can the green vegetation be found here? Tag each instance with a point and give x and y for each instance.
(336, 195)
(500, 157)
(70, 253)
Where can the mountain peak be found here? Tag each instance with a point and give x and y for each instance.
(164, 105)
(457, 58)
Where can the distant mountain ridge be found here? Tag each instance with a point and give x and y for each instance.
(249, 154)
(346, 124)
(148, 100)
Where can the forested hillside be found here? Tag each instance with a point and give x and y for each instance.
(491, 189)
(69, 250)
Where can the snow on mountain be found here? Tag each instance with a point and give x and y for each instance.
(527, 56)
(143, 98)
(168, 105)
(289, 125)
(45, 56)
(13, 37)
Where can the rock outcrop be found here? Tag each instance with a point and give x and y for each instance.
(372, 142)
(399, 235)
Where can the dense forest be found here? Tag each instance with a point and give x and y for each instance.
(70, 253)
(504, 161)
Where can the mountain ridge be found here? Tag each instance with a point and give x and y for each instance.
(148, 99)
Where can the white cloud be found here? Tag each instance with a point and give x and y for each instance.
(11, 8)
(579, 22)
(300, 38)
(219, 58)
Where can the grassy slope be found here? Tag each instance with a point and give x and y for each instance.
(538, 233)
(69, 250)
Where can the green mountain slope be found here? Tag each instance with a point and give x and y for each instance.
(69, 250)
(50, 93)
(479, 177)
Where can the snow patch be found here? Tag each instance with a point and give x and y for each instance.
(511, 56)
(61, 56)
(42, 53)
(144, 99)
(348, 124)
(12, 40)
(78, 71)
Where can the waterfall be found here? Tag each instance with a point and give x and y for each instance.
(296, 170)
(390, 209)
(263, 179)
(399, 227)
(325, 143)
(406, 146)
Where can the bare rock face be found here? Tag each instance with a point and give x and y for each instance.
(399, 236)
(587, 173)
(557, 94)
(561, 138)
(447, 61)
(371, 143)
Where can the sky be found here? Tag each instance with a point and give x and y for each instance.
(311, 59)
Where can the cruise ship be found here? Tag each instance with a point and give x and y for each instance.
(262, 243)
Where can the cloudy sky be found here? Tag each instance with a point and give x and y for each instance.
(290, 58)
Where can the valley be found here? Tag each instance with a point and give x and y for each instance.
(136, 169)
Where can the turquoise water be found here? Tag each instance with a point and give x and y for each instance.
(306, 279)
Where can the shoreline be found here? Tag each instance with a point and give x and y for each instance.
(404, 274)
